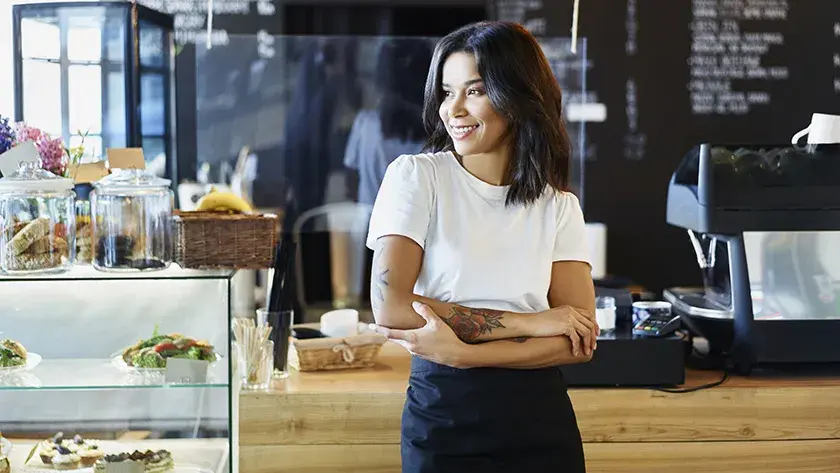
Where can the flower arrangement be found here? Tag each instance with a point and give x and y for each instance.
(55, 156)
(7, 135)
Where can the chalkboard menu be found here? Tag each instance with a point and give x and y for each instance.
(672, 74)
(230, 17)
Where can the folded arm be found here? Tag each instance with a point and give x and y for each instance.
(571, 285)
(396, 266)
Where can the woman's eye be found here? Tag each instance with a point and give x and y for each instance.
(447, 93)
(476, 92)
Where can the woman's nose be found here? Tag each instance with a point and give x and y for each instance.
(456, 108)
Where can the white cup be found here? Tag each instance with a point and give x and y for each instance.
(824, 129)
(340, 323)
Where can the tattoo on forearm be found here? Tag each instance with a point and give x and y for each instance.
(378, 282)
(470, 324)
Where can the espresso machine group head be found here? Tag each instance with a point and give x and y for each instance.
(764, 222)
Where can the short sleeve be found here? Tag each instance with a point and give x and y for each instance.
(571, 243)
(405, 200)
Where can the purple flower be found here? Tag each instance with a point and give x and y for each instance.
(52, 154)
(7, 135)
(51, 150)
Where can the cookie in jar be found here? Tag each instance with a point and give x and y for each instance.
(37, 222)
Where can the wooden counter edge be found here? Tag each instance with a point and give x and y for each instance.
(813, 456)
(364, 407)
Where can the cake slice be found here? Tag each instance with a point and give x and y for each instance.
(153, 462)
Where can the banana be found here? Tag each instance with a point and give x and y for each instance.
(216, 201)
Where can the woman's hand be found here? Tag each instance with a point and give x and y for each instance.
(435, 341)
(577, 324)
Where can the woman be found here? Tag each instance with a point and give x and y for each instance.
(480, 264)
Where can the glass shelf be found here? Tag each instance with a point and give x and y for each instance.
(96, 374)
(79, 273)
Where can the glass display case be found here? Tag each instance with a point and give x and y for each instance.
(86, 373)
(102, 71)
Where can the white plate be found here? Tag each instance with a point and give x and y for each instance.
(121, 365)
(5, 447)
(32, 360)
(49, 469)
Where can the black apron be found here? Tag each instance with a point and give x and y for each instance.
(488, 420)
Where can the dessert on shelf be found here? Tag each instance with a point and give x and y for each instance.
(153, 462)
(64, 453)
(5, 449)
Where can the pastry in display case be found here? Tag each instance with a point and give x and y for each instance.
(68, 453)
(5, 450)
(74, 366)
(152, 462)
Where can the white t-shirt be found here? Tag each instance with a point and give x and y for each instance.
(477, 252)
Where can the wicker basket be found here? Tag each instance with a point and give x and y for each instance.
(216, 240)
(323, 354)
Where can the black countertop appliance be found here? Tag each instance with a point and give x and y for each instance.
(764, 222)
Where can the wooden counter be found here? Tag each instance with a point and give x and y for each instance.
(350, 421)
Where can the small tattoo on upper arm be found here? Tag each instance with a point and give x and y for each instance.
(470, 324)
(379, 280)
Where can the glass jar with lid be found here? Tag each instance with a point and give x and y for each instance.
(131, 213)
(37, 222)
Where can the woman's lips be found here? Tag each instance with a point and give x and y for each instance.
(460, 133)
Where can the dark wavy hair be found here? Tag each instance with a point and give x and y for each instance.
(521, 87)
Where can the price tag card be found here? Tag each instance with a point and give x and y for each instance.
(184, 371)
(128, 466)
(11, 160)
(126, 158)
(88, 172)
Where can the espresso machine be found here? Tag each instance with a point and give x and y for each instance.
(764, 222)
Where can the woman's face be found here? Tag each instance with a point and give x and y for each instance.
(472, 122)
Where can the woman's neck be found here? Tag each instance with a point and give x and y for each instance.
(490, 167)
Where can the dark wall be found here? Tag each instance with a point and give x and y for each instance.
(640, 54)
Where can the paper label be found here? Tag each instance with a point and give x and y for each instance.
(87, 172)
(128, 466)
(11, 160)
(184, 371)
(126, 158)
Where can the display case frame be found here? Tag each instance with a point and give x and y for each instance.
(120, 407)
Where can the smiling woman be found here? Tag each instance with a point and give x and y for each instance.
(478, 244)
(467, 112)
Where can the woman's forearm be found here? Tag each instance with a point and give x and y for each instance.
(472, 325)
(525, 353)
(396, 266)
